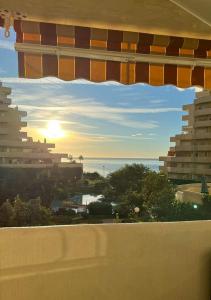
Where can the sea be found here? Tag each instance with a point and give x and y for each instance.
(104, 166)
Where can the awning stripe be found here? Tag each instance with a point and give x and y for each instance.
(96, 69)
(85, 34)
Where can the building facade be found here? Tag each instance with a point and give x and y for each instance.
(190, 157)
(17, 150)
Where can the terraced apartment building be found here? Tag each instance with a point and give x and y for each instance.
(190, 157)
(17, 150)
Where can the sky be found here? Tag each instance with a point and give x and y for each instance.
(96, 120)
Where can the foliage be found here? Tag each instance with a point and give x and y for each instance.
(158, 196)
(46, 184)
(6, 214)
(20, 213)
(204, 186)
(122, 210)
(39, 215)
(127, 178)
(100, 208)
(137, 186)
(81, 158)
(92, 176)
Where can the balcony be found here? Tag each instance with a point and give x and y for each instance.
(32, 155)
(190, 159)
(190, 136)
(202, 111)
(206, 123)
(3, 108)
(41, 165)
(26, 144)
(5, 90)
(205, 99)
(6, 100)
(185, 117)
(12, 132)
(22, 113)
(177, 137)
(202, 94)
(191, 170)
(187, 128)
(187, 107)
(193, 148)
(156, 261)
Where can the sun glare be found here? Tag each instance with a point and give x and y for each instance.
(53, 130)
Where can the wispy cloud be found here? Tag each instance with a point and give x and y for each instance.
(108, 137)
(53, 103)
(157, 101)
(137, 134)
(5, 44)
(101, 109)
(2, 71)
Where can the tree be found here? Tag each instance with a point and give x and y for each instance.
(38, 214)
(92, 176)
(158, 196)
(128, 178)
(21, 212)
(137, 186)
(204, 187)
(80, 158)
(70, 157)
(6, 214)
(100, 208)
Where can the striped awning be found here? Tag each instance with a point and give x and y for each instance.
(73, 52)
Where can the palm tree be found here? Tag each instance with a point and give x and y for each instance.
(81, 158)
(70, 157)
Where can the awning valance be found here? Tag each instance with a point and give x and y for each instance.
(73, 52)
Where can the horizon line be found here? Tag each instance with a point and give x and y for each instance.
(109, 157)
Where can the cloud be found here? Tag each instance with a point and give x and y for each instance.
(58, 100)
(9, 45)
(101, 112)
(54, 80)
(157, 101)
(101, 109)
(137, 134)
(106, 137)
(2, 71)
(196, 89)
(67, 124)
(52, 103)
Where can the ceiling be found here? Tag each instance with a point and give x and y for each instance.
(187, 18)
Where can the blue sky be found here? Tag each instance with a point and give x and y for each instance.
(99, 120)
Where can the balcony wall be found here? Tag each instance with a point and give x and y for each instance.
(189, 159)
(41, 166)
(202, 111)
(203, 99)
(154, 261)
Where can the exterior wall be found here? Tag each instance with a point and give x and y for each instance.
(21, 173)
(149, 261)
(190, 158)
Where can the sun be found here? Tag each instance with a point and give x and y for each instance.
(53, 130)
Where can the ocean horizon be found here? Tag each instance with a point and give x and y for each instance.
(106, 165)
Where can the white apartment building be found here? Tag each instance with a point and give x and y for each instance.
(190, 157)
